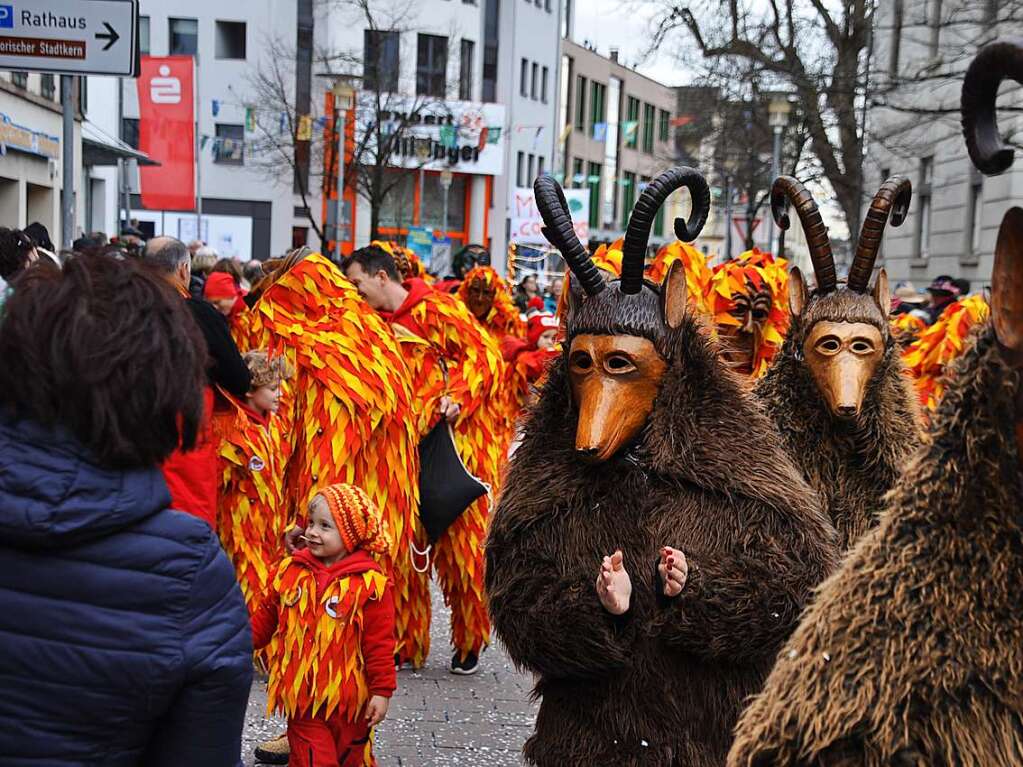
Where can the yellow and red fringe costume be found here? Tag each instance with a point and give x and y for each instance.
(927, 358)
(347, 413)
(449, 353)
(252, 511)
(907, 328)
(732, 278)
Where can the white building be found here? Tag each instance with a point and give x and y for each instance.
(920, 54)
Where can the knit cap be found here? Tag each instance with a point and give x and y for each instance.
(538, 325)
(357, 518)
(220, 285)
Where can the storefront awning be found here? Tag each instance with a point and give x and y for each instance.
(99, 148)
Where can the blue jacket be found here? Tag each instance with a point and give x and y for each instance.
(124, 639)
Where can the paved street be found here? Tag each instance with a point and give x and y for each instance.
(437, 718)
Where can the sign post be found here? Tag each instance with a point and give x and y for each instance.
(446, 177)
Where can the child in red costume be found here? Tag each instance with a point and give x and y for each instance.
(329, 620)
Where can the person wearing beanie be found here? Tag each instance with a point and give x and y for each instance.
(223, 292)
(328, 624)
(252, 513)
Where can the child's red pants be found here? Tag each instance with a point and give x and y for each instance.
(333, 742)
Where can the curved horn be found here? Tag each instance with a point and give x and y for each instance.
(787, 189)
(892, 198)
(1007, 282)
(558, 230)
(995, 61)
(638, 233)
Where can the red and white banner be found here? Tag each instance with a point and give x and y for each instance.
(167, 132)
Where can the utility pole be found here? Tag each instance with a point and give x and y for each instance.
(67, 192)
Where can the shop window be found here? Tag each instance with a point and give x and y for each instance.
(144, 35)
(468, 55)
(130, 132)
(432, 66)
(229, 148)
(380, 60)
(397, 205)
(20, 79)
(432, 204)
(48, 87)
(184, 37)
(230, 40)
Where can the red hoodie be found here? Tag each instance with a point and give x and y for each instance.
(417, 291)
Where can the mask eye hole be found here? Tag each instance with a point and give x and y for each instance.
(829, 345)
(760, 314)
(860, 346)
(618, 363)
(582, 361)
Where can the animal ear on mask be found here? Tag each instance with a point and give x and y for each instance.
(882, 297)
(673, 295)
(798, 295)
(1007, 283)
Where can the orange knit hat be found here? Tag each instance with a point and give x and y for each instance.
(357, 518)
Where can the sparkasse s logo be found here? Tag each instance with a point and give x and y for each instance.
(6, 16)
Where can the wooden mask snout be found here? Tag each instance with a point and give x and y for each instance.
(842, 358)
(614, 382)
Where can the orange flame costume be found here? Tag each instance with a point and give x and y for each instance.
(449, 353)
(406, 260)
(347, 412)
(907, 328)
(753, 271)
(937, 346)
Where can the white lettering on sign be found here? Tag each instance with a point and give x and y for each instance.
(51, 21)
(163, 89)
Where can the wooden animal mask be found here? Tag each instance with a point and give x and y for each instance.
(479, 297)
(616, 330)
(846, 330)
(739, 343)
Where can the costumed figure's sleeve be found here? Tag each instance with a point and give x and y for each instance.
(264, 617)
(548, 614)
(473, 356)
(742, 603)
(378, 642)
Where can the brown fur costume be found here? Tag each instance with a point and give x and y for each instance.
(913, 651)
(662, 684)
(851, 464)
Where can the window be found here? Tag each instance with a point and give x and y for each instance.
(974, 213)
(490, 42)
(543, 85)
(520, 170)
(628, 196)
(432, 203)
(530, 177)
(658, 227)
(380, 60)
(893, 60)
(299, 236)
(598, 92)
(578, 179)
(184, 37)
(593, 181)
(230, 40)
(632, 116)
(20, 79)
(432, 66)
(580, 103)
(468, 53)
(923, 220)
(663, 119)
(539, 165)
(397, 206)
(648, 128)
(547, 5)
(48, 87)
(130, 132)
(524, 79)
(229, 147)
(144, 35)
(533, 81)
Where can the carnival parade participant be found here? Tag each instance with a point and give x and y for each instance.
(837, 392)
(253, 455)
(327, 622)
(653, 546)
(457, 373)
(347, 416)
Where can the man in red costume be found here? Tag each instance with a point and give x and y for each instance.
(456, 372)
(192, 476)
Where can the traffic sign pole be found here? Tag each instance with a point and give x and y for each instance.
(67, 192)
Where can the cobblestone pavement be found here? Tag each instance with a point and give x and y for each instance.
(437, 718)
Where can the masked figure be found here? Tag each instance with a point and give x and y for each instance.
(643, 562)
(837, 390)
(911, 653)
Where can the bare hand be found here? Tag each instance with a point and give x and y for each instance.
(294, 539)
(376, 710)
(614, 587)
(674, 570)
(449, 409)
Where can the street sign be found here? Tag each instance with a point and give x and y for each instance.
(76, 37)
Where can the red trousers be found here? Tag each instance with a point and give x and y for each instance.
(333, 742)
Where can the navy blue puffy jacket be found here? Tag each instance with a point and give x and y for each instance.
(124, 639)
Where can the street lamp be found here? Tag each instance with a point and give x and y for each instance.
(778, 109)
(344, 89)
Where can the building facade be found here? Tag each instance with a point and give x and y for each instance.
(922, 48)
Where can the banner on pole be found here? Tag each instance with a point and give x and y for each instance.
(167, 132)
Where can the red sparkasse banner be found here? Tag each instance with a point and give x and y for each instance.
(167, 132)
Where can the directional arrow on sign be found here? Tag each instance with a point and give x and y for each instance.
(110, 34)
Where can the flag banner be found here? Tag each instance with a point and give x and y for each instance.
(167, 132)
(305, 128)
(629, 130)
(216, 107)
(600, 131)
(493, 134)
(250, 119)
(447, 136)
(681, 120)
(565, 132)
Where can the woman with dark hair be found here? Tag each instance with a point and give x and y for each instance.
(17, 252)
(126, 640)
